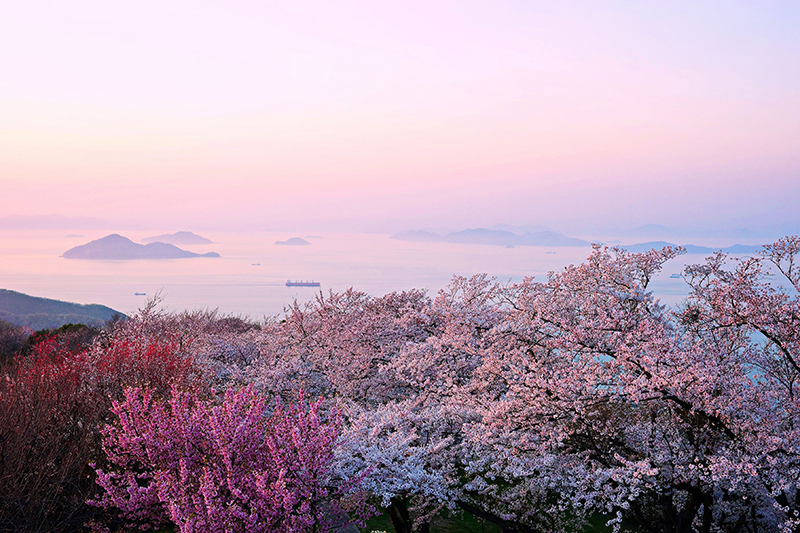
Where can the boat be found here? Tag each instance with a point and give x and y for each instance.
(256, 264)
(290, 283)
(675, 276)
(140, 294)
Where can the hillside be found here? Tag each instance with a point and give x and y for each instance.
(39, 313)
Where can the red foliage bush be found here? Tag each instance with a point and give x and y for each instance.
(53, 402)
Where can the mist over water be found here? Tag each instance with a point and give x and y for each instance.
(249, 279)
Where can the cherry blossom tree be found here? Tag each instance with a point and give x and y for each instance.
(541, 404)
(598, 399)
(750, 309)
(364, 355)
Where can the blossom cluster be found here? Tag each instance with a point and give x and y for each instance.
(544, 405)
(229, 464)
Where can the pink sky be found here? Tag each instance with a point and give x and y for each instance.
(401, 115)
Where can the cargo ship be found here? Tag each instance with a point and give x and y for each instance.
(290, 283)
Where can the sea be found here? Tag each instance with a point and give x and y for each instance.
(249, 279)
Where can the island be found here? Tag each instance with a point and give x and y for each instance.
(180, 237)
(121, 248)
(294, 241)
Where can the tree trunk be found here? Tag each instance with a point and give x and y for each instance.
(506, 526)
(398, 513)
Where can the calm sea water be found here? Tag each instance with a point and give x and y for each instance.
(249, 278)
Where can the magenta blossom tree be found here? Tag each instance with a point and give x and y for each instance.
(237, 464)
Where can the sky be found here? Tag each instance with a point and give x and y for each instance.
(386, 116)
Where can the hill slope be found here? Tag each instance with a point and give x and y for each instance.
(39, 313)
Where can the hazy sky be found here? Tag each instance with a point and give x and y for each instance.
(398, 115)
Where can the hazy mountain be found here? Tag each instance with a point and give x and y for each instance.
(691, 248)
(118, 247)
(520, 230)
(294, 241)
(493, 237)
(39, 313)
(691, 231)
(180, 237)
(483, 236)
(741, 249)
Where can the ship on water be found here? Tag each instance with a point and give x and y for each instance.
(290, 283)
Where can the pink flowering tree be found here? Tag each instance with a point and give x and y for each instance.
(234, 465)
(357, 351)
(338, 346)
(566, 394)
(405, 450)
(541, 404)
(749, 310)
(596, 399)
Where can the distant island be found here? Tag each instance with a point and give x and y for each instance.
(492, 236)
(180, 237)
(690, 248)
(118, 247)
(511, 236)
(294, 241)
(43, 313)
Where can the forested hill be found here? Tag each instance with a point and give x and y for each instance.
(39, 313)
